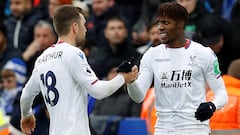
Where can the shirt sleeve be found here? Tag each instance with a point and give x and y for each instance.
(87, 79)
(138, 89)
(30, 90)
(80, 70)
(215, 81)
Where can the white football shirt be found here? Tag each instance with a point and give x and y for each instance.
(64, 77)
(180, 76)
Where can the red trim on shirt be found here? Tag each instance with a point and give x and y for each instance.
(94, 82)
(59, 42)
(186, 45)
(218, 76)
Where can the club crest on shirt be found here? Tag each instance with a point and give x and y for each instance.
(193, 61)
(88, 71)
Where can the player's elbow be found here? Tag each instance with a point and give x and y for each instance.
(137, 99)
(221, 99)
(225, 99)
(135, 92)
(23, 99)
(99, 97)
(136, 96)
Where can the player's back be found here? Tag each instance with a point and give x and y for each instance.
(65, 99)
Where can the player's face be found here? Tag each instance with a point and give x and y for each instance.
(168, 30)
(80, 38)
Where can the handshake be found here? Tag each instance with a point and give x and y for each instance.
(126, 66)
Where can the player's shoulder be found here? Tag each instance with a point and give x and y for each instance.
(155, 49)
(197, 47)
(72, 51)
(203, 52)
(66, 48)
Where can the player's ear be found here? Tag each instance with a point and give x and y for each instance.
(75, 27)
(181, 24)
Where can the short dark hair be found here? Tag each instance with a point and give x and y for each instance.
(64, 16)
(173, 11)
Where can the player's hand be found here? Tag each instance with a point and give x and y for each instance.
(28, 124)
(126, 66)
(130, 76)
(205, 111)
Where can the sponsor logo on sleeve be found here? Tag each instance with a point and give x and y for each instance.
(81, 55)
(88, 71)
(216, 68)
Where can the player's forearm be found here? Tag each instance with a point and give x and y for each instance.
(26, 104)
(220, 98)
(29, 92)
(135, 92)
(220, 94)
(102, 89)
(138, 89)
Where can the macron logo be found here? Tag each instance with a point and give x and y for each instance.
(81, 55)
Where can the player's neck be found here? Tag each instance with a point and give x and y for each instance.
(67, 40)
(178, 43)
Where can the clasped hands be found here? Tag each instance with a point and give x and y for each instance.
(129, 70)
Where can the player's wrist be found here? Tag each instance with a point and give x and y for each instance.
(212, 106)
(205, 111)
(121, 78)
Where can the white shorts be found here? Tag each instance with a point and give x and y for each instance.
(182, 132)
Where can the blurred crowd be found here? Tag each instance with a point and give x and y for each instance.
(116, 31)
